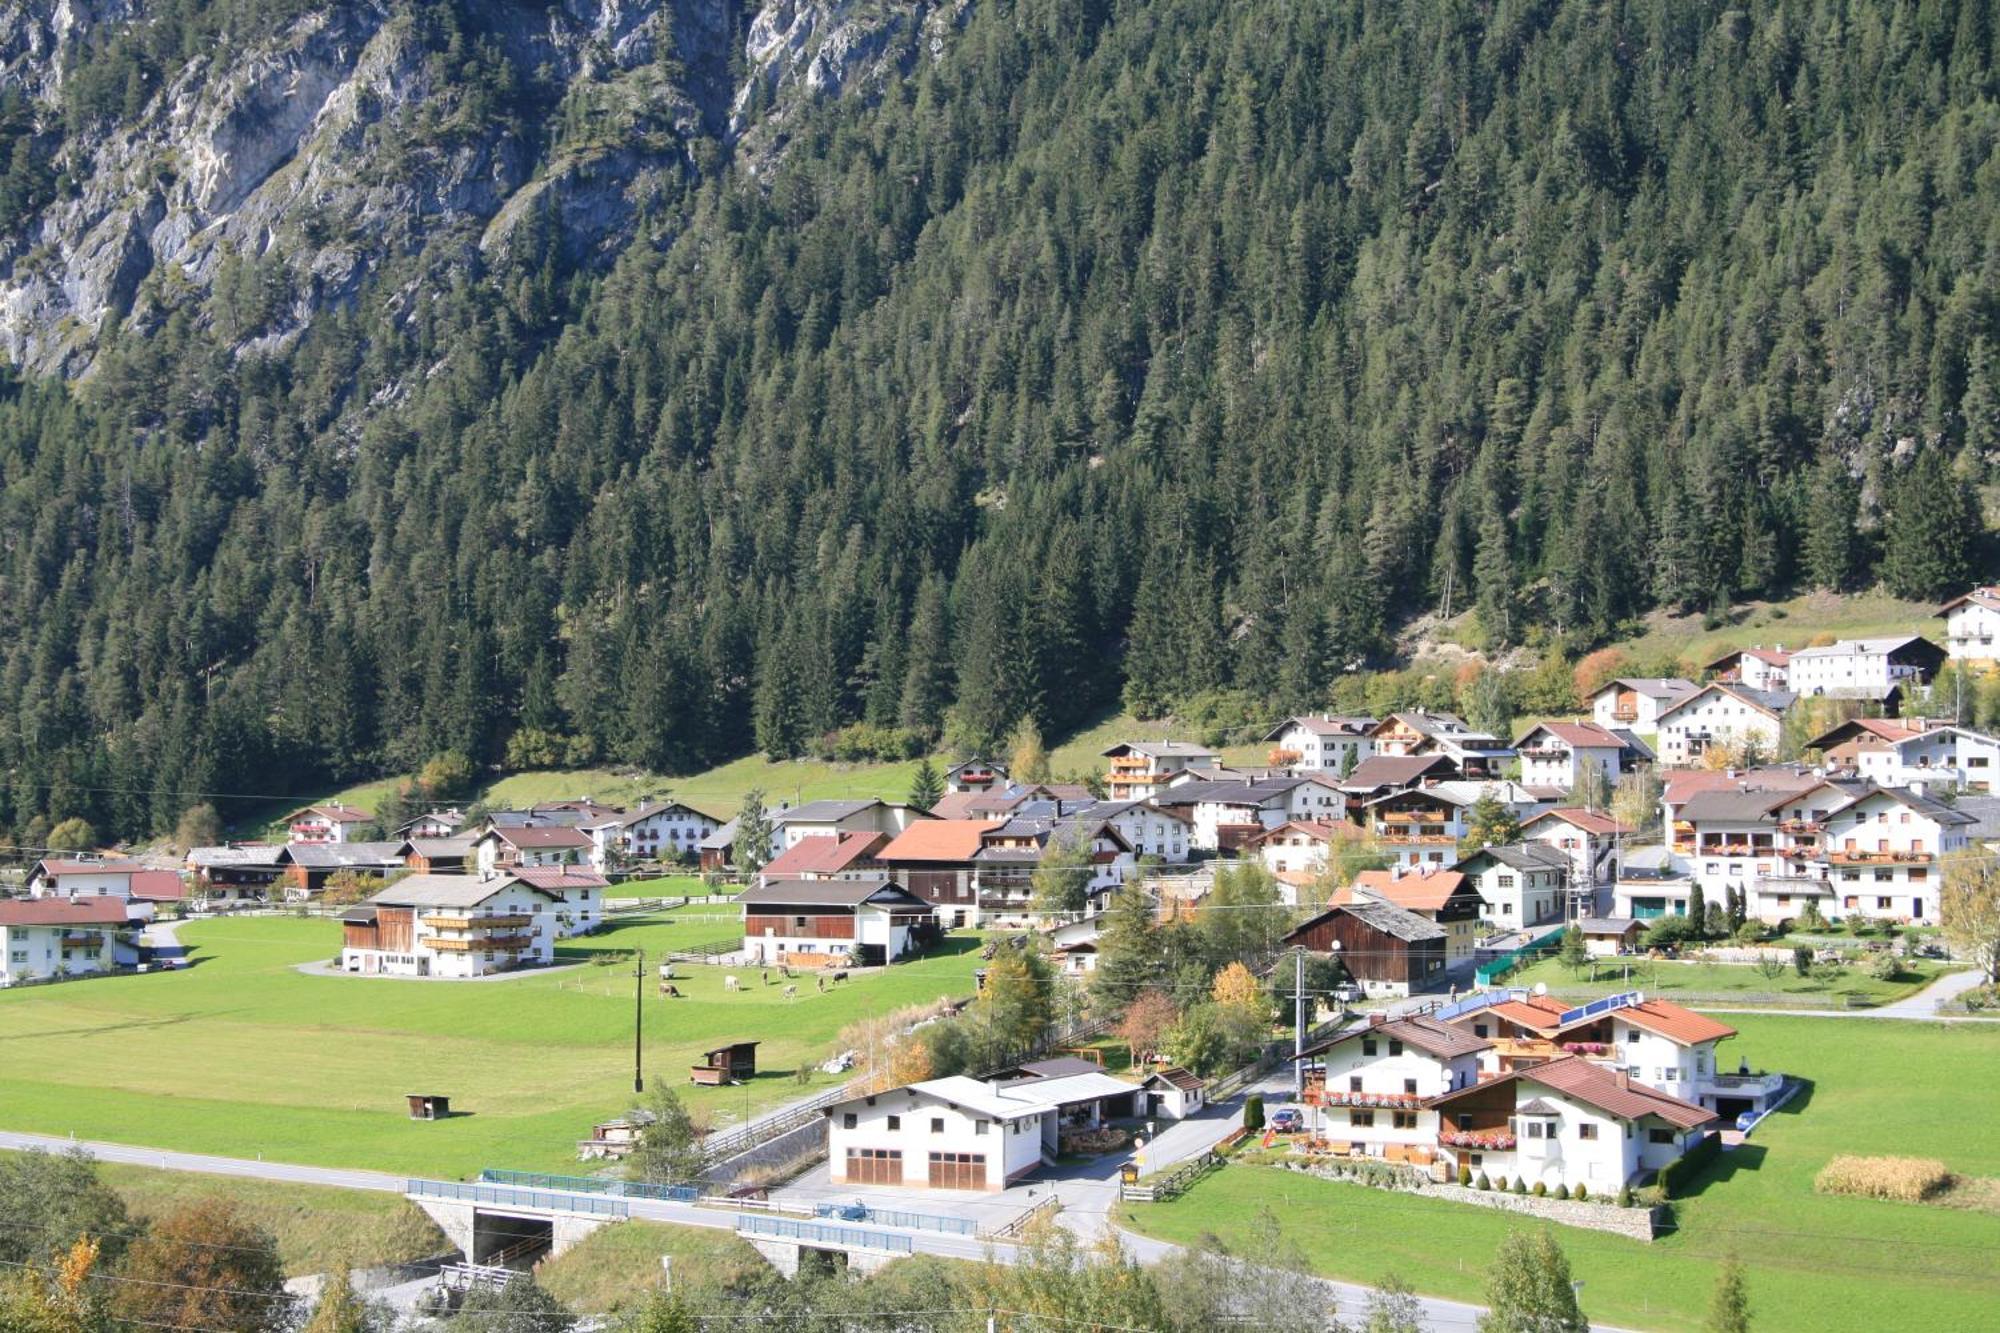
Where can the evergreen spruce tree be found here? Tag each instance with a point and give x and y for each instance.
(1698, 909)
(1128, 950)
(1831, 510)
(926, 786)
(1930, 530)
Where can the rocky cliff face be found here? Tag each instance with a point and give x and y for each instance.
(268, 177)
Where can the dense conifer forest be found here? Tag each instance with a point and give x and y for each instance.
(1128, 350)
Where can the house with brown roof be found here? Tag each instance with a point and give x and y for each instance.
(1590, 839)
(1296, 852)
(660, 831)
(1557, 754)
(1383, 948)
(1475, 753)
(140, 887)
(1141, 768)
(975, 775)
(440, 855)
(1567, 1122)
(834, 922)
(1760, 668)
(1446, 898)
(1637, 701)
(838, 856)
(1721, 715)
(45, 938)
(933, 859)
(502, 848)
(579, 893)
(1519, 884)
(333, 822)
(1972, 625)
(1322, 741)
(1372, 1084)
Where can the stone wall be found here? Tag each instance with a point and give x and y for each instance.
(802, 1144)
(1637, 1223)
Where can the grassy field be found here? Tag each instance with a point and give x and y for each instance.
(1815, 1262)
(669, 886)
(316, 1227)
(1818, 989)
(616, 1267)
(242, 1054)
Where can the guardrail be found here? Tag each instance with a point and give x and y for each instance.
(891, 1217)
(734, 1142)
(511, 1196)
(628, 1189)
(823, 1234)
(1048, 1207)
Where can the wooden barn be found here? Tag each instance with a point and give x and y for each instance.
(1386, 950)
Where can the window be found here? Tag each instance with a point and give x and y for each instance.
(799, 924)
(1405, 1119)
(1586, 1131)
(1395, 1047)
(1659, 1136)
(1884, 904)
(849, 1120)
(895, 1122)
(1531, 1129)
(1368, 1046)
(1409, 1085)
(937, 1124)
(1361, 1119)
(980, 1126)
(1506, 881)
(1354, 1082)
(1478, 1029)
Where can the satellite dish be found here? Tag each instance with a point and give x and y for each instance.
(1541, 988)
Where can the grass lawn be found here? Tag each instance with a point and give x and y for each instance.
(1815, 1262)
(1817, 989)
(242, 1054)
(616, 1267)
(667, 886)
(316, 1227)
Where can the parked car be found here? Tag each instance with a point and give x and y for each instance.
(1287, 1121)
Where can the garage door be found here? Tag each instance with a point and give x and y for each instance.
(958, 1170)
(874, 1166)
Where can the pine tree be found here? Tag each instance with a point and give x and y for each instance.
(1493, 577)
(1927, 550)
(1729, 1310)
(1697, 909)
(1831, 509)
(926, 786)
(927, 677)
(753, 834)
(1128, 950)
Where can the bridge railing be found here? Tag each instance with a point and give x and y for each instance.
(514, 1196)
(628, 1189)
(823, 1233)
(894, 1217)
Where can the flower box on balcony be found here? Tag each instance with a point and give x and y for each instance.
(1493, 1140)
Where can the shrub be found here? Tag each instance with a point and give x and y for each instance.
(1885, 966)
(1482, 1183)
(1802, 960)
(1650, 1196)
(1677, 1173)
(1562, 1191)
(1520, 1184)
(1582, 1193)
(1464, 1174)
(1900, 1179)
(1253, 1112)
(1541, 1190)
(1624, 1196)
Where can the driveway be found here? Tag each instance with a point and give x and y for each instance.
(1922, 1007)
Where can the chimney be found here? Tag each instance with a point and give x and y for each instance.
(1624, 1080)
(1376, 1020)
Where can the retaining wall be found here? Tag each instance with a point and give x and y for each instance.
(1637, 1223)
(805, 1141)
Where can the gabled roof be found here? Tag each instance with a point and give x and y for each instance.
(1418, 1030)
(237, 854)
(1521, 856)
(848, 893)
(1987, 596)
(433, 849)
(54, 868)
(1596, 1087)
(1387, 918)
(721, 840)
(157, 886)
(1023, 1097)
(661, 807)
(1320, 724)
(1427, 892)
(1576, 735)
(1769, 702)
(1394, 770)
(824, 812)
(449, 890)
(1653, 687)
(938, 840)
(1774, 656)
(540, 835)
(1683, 1027)
(1683, 783)
(1864, 647)
(1590, 821)
(91, 910)
(558, 879)
(1319, 830)
(333, 814)
(1933, 810)
(1734, 807)
(1161, 750)
(1175, 1077)
(1608, 925)
(826, 855)
(337, 855)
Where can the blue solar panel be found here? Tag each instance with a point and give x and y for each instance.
(1603, 1006)
(1473, 1003)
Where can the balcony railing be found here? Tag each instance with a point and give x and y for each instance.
(1492, 1140)
(1380, 1101)
(482, 944)
(1801, 826)
(1858, 858)
(467, 921)
(1416, 837)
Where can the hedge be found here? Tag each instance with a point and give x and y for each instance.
(1677, 1174)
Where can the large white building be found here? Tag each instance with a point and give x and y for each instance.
(43, 938)
(1637, 702)
(1323, 741)
(833, 922)
(451, 926)
(1863, 668)
(1557, 754)
(1520, 885)
(655, 831)
(1720, 714)
(1972, 625)
(964, 1133)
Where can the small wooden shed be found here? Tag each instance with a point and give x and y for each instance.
(428, 1105)
(734, 1063)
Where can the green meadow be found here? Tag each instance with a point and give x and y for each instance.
(242, 1054)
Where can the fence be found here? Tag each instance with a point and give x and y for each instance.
(1503, 967)
(1170, 1184)
(734, 1142)
(1048, 1207)
(891, 1217)
(624, 1189)
(821, 1234)
(510, 1196)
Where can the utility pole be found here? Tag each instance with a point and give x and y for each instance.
(1299, 1019)
(638, 1021)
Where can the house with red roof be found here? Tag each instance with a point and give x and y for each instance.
(1557, 754)
(52, 937)
(1760, 668)
(333, 822)
(1445, 898)
(142, 888)
(1590, 839)
(849, 855)
(933, 859)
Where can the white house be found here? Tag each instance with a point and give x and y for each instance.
(42, 938)
(500, 849)
(580, 894)
(450, 926)
(1760, 668)
(1882, 855)
(1141, 768)
(1475, 753)
(1074, 943)
(1863, 668)
(975, 776)
(1942, 757)
(1173, 1093)
(964, 1133)
(1420, 828)
(1637, 702)
(657, 830)
(326, 823)
(1323, 741)
(431, 824)
(1296, 852)
(1373, 1084)
(1761, 842)
(1719, 714)
(833, 922)
(1556, 754)
(1652, 882)
(1520, 885)
(1590, 839)
(1151, 829)
(1972, 625)
(1223, 815)
(825, 819)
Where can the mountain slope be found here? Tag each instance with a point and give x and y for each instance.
(1159, 348)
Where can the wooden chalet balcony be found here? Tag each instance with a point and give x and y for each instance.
(1735, 849)
(1491, 1140)
(467, 921)
(1801, 826)
(1391, 837)
(1407, 817)
(481, 944)
(1378, 1101)
(1859, 858)
(82, 941)
(1627, 713)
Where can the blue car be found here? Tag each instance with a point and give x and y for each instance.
(1287, 1121)
(847, 1212)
